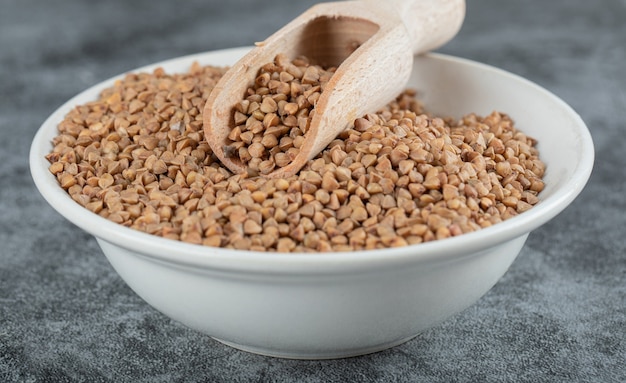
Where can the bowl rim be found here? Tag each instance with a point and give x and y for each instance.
(186, 254)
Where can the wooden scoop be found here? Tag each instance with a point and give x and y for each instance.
(372, 44)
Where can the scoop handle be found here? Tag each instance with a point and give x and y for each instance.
(429, 23)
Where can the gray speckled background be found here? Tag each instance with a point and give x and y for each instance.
(558, 315)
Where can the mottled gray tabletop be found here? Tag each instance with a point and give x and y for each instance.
(558, 315)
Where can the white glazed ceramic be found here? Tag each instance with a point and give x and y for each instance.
(341, 304)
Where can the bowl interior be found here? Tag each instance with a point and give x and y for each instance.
(448, 86)
(453, 86)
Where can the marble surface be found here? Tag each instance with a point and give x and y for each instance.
(558, 315)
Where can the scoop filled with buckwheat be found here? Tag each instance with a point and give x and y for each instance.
(363, 54)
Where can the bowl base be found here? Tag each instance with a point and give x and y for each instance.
(316, 355)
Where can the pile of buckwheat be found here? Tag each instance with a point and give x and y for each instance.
(271, 121)
(138, 157)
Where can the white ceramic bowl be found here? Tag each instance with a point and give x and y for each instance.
(341, 304)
